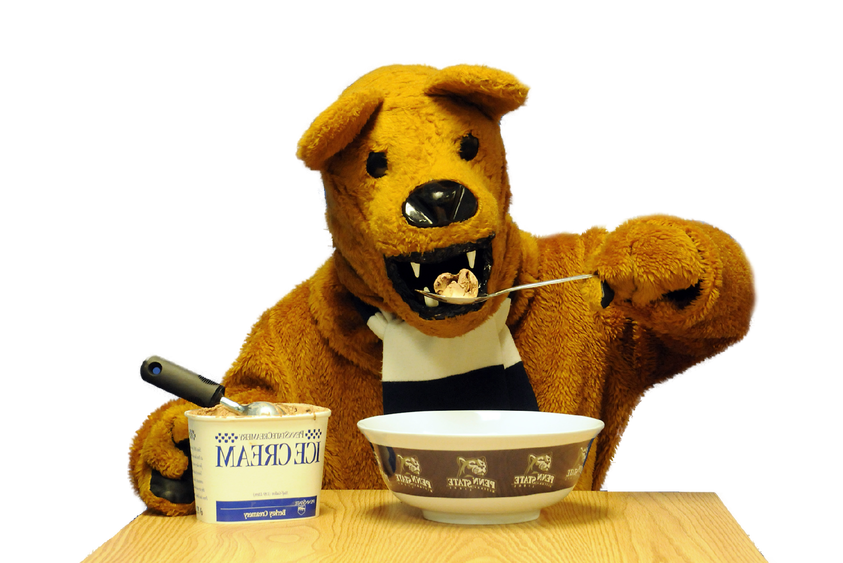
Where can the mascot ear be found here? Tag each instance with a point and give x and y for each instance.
(337, 126)
(495, 92)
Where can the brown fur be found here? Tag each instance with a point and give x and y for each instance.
(314, 346)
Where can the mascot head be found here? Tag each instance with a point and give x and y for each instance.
(415, 181)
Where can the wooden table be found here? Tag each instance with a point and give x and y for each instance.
(364, 526)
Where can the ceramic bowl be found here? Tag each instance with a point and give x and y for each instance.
(480, 467)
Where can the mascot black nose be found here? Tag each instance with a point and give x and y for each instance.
(439, 203)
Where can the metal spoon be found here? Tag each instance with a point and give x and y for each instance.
(468, 300)
(194, 388)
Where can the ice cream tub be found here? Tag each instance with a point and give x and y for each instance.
(257, 468)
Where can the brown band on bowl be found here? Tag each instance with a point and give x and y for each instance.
(482, 474)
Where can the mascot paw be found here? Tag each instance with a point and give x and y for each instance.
(174, 491)
(645, 260)
(597, 293)
(162, 472)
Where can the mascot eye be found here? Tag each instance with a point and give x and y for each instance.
(469, 147)
(376, 164)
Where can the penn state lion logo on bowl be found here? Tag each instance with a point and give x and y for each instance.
(408, 464)
(477, 465)
(471, 473)
(536, 473)
(542, 462)
(408, 473)
(575, 471)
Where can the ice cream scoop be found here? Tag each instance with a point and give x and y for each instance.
(194, 388)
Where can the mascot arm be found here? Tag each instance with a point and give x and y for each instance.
(686, 286)
(157, 461)
(258, 374)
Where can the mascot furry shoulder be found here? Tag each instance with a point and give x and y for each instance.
(415, 181)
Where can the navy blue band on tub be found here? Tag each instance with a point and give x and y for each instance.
(269, 509)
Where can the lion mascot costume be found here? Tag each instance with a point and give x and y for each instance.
(415, 179)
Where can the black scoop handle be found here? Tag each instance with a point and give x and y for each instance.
(181, 382)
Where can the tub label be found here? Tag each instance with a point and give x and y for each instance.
(268, 509)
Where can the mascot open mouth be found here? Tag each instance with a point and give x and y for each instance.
(414, 271)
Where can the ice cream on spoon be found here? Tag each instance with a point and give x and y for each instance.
(463, 284)
(459, 286)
